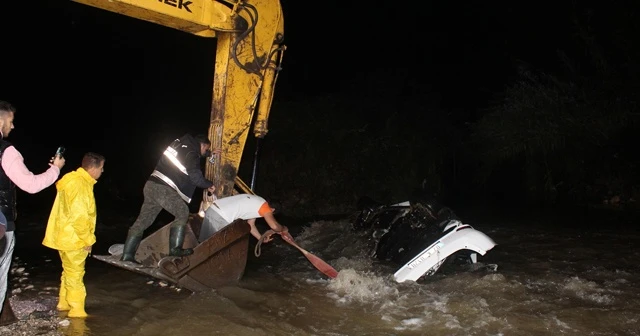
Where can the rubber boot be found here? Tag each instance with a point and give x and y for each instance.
(130, 248)
(7, 316)
(63, 305)
(77, 309)
(176, 239)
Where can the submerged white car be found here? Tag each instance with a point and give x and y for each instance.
(421, 236)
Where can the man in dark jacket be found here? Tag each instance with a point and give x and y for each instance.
(14, 173)
(170, 187)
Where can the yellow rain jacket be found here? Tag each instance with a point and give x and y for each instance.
(72, 222)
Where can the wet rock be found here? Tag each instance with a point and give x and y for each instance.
(35, 317)
(35, 308)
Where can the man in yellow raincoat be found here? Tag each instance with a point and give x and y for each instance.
(71, 230)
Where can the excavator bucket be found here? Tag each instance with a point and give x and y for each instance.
(218, 261)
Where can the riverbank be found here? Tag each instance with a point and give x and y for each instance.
(35, 308)
(35, 316)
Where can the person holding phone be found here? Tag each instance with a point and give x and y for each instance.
(14, 173)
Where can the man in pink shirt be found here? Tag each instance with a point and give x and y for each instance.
(15, 173)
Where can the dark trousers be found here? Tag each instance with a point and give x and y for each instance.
(158, 196)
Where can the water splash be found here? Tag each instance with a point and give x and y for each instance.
(361, 287)
(588, 290)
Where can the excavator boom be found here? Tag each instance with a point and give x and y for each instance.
(249, 36)
(201, 18)
(249, 50)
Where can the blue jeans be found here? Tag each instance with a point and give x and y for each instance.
(5, 266)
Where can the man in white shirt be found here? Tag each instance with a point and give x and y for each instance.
(225, 211)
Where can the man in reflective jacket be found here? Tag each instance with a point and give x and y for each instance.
(71, 230)
(170, 187)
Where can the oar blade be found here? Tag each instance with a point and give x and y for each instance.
(322, 266)
(318, 263)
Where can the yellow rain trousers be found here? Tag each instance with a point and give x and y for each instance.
(72, 290)
(70, 229)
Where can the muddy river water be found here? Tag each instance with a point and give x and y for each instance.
(557, 275)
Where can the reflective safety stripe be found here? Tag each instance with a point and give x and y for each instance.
(168, 181)
(172, 154)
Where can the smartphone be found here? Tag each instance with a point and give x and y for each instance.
(60, 151)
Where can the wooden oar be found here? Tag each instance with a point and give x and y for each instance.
(318, 263)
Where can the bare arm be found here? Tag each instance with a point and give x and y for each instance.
(273, 223)
(254, 230)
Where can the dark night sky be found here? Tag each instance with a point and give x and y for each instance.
(131, 85)
(68, 58)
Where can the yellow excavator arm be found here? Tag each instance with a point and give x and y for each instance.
(249, 51)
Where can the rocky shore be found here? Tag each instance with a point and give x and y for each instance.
(35, 308)
(35, 317)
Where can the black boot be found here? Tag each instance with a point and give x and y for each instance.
(130, 248)
(7, 316)
(176, 238)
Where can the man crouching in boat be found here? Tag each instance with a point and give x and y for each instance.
(225, 211)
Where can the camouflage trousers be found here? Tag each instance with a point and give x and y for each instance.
(158, 196)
